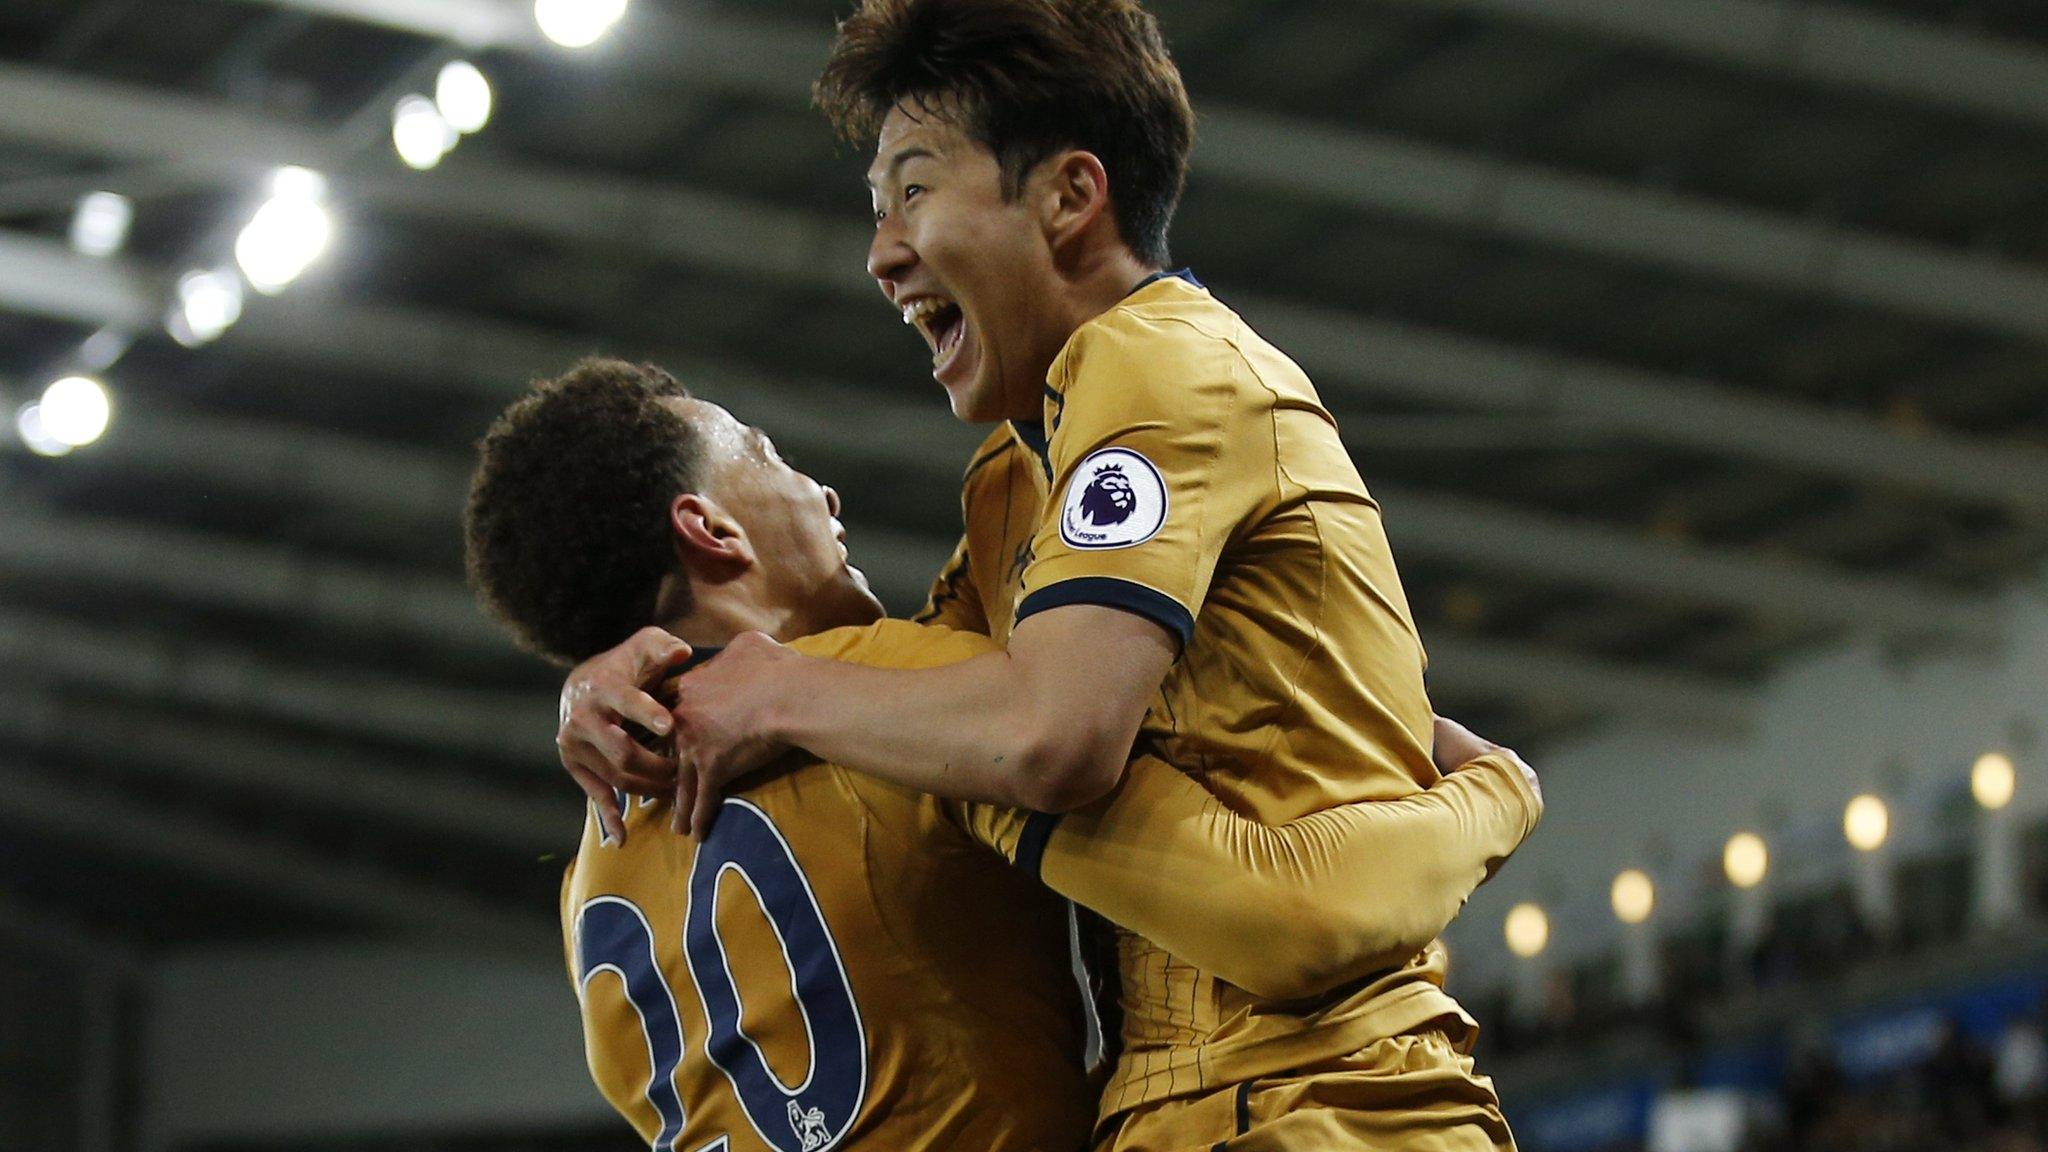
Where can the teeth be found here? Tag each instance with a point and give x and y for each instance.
(921, 309)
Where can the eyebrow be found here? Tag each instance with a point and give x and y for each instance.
(897, 161)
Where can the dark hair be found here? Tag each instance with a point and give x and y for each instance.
(1028, 78)
(565, 534)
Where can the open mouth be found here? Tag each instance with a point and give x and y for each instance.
(940, 321)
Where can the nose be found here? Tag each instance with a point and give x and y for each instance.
(890, 256)
(832, 501)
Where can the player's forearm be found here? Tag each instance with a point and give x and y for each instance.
(975, 730)
(1291, 910)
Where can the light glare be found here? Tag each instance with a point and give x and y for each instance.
(209, 303)
(75, 410)
(1528, 930)
(1745, 859)
(419, 133)
(1993, 780)
(29, 424)
(298, 183)
(100, 226)
(1633, 896)
(1866, 822)
(283, 239)
(577, 23)
(463, 96)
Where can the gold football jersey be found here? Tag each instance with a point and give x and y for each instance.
(1186, 471)
(835, 965)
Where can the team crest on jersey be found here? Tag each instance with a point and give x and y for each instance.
(1116, 499)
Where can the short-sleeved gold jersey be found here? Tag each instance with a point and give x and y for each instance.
(837, 964)
(1187, 471)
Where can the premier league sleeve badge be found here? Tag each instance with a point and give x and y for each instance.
(1116, 499)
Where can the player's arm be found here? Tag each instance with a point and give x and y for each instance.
(1046, 724)
(1282, 911)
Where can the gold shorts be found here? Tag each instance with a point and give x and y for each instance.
(1416, 1092)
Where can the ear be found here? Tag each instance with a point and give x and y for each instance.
(1072, 191)
(709, 542)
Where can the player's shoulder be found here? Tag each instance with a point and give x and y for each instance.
(1170, 337)
(895, 644)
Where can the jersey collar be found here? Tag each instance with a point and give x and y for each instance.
(1032, 433)
(1187, 274)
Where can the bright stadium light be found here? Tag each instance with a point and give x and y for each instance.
(28, 423)
(1528, 930)
(1866, 823)
(298, 183)
(100, 226)
(1993, 780)
(577, 23)
(1746, 859)
(419, 133)
(1633, 896)
(209, 303)
(463, 96)
(75, 410)
(287, 234)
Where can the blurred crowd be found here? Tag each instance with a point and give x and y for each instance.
(1976, 1085)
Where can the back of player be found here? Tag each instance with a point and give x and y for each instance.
(834, 966)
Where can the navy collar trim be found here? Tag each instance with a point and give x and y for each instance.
(1187, 274)
(1032, 434)
(698, 656)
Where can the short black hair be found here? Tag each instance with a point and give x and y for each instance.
(1029, 78)
(565, 534)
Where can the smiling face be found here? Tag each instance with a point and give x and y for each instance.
(968, 267)
(791, 520)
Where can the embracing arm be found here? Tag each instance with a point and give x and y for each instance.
(1282, 911)
(1046, 725)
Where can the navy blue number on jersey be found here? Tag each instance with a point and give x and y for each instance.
(613, 936)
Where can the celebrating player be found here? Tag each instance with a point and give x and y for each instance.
(1168, 540)
(902, 986)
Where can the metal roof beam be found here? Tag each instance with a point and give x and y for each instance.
(1475, 535)
(224, 572)
(386, 790)
(115, 823)
(1824, 45)
(512, 727)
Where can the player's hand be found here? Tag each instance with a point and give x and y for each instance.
(1457, 746)
(601, 696)
(722, 724)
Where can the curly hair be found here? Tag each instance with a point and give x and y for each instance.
(1028, 78)
(565, 533)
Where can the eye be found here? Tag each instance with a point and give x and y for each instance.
(910, 192)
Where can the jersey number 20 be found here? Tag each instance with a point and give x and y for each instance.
(612, 935)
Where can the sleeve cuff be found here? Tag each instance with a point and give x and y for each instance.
(1038, 829)
(1111, 592)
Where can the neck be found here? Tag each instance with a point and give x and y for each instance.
(1096, 284)
(719, 612)
(1089, 285)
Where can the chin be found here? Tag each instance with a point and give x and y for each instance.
(852, 602)
(972, 404)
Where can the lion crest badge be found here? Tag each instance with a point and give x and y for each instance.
(1116, 499)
